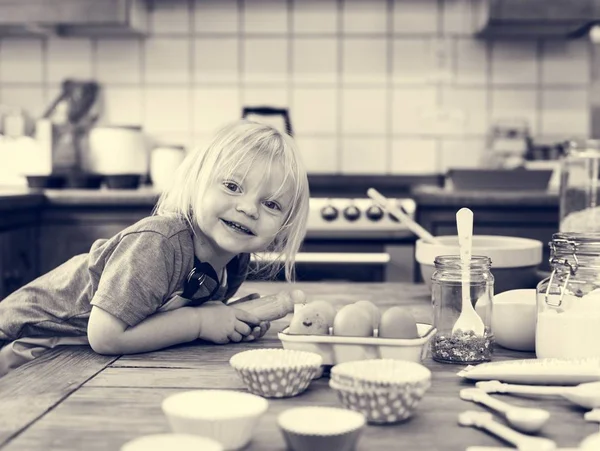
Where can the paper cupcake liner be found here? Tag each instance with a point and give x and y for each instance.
(373, 386)
(319, 428)
(232, 434)
(381, 406)
(306, 442)
(380, 372)
(276, 373)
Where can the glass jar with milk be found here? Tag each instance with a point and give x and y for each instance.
(568, 302)
(580, 187)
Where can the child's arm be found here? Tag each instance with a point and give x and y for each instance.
(217, 323)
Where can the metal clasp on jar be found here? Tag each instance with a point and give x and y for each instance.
(559, 246)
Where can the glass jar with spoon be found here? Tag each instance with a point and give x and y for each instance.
(458, 284)
(450, 345)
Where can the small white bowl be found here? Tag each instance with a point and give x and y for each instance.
(276, 373)
(227, 416)
(180, 442)
(315, 428)
(513, 319)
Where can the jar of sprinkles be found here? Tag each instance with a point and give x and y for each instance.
(461, 346)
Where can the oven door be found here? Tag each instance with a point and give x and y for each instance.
(326, 259)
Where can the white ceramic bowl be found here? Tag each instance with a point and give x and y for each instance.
(315, 428)
(514, 259)
(513, 319)
(276, 373)
(227, 416)
(179, 442)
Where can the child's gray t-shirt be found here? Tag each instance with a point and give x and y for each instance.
(130, 275)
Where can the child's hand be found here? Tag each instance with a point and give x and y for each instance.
(221, 324)
(258, 331)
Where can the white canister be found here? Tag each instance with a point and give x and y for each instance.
(115, 150)
(164, 161)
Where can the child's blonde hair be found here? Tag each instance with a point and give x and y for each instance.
(235, 144)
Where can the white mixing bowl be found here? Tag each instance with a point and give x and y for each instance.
(514, 260)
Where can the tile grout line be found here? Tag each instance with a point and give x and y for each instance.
(338, 86)
(389, 91)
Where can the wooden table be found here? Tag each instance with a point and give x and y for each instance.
(74, 399)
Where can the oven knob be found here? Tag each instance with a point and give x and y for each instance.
(329, 213)
(351, 213)
(374, 213)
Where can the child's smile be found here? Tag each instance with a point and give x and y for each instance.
(238, 228)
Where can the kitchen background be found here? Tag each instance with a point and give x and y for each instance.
(373, 86)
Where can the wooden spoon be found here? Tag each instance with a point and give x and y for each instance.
(468, 318)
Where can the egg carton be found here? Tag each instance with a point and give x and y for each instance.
(338, 349)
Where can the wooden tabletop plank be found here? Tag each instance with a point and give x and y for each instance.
(29, 391)
(107, 417)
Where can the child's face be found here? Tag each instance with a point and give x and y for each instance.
(239, 213)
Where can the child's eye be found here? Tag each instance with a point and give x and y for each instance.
(231, 186)
(272, 205)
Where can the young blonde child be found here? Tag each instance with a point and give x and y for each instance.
(147, 287)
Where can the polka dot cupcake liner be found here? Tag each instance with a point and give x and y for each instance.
(378, 373)
(382, 405)
(276, 373)
(384, 390)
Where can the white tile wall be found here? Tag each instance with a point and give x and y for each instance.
(21, 61)
(167, 60)
(315, 16)
(364, 60)
(414, 156)
(364, 156)
(315, 110)
(69, 58)
(314, 60)
(361, 16)
(216, 60)
(415, 17)
(402, 81)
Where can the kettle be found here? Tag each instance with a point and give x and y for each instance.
(269, 115)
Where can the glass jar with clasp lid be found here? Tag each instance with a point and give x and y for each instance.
(568, 301)
(450, 345)
(580, 187)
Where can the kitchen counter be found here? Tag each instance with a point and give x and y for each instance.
(436, 196)
(23, 198)
(72, 396)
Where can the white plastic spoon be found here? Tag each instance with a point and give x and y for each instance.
(485, 421)
(498, 448)
(523, 419)
(468, 318)
(585, 395)
(392, 209)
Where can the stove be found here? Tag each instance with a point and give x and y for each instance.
(360, 217)
(354, 239)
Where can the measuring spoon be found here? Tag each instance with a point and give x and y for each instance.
(585, 395)
(485, 421)
(468, 318)
(522, 418)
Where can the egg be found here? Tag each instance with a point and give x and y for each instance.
(315, 318)
(398, 322)
(352, 321)
(372, 310)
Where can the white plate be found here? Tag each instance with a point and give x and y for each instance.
(536, 371)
